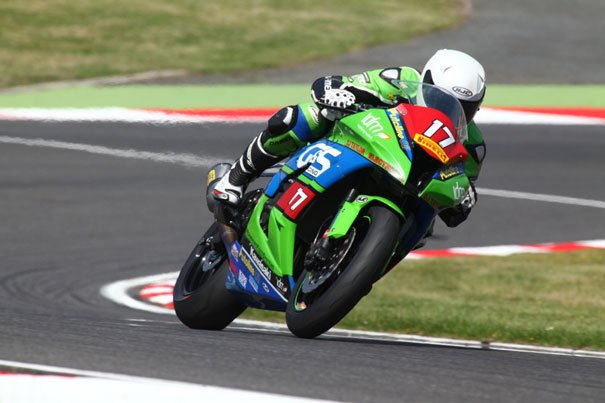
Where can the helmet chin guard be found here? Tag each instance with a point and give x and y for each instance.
(460, 74)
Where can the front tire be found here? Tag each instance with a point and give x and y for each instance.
(201, 300)
(313, 309)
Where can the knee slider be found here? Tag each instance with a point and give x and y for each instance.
(283, 120)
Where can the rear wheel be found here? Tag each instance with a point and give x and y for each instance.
(324, 295)
(201, 300)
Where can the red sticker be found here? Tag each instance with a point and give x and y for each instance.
(295, 199)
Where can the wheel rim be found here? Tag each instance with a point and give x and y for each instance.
(316, 282)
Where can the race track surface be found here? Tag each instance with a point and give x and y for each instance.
(74, 221)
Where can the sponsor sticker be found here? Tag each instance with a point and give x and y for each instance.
(243, 280)
(246, 261)
(394, 115)
(265, 288)
(430, 145)
(234, 252)
(396, 122)
(356, 147)
(361, 199)
(260, 264)
(372, 123)
(280, 284)
(449, 172)
(253, 284)
(458, 191)
(380, 162)
(317, 156)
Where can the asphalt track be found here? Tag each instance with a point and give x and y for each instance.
(73, 222)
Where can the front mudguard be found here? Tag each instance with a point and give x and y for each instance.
(350, 210)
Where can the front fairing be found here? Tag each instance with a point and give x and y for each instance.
(377, 135)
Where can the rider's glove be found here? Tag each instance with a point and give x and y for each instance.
(454, 216)
(338, 99)
(470, 198)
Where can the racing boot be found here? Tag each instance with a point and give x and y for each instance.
(287, 130)
(231, 188)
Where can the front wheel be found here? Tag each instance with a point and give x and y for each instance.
(323, 296)
(201, 300)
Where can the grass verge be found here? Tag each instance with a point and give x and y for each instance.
(48, 40)
(258, 95)
(550, 299)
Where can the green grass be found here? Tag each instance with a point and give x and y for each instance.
(47, 40)
(551, 299)
(253, 95)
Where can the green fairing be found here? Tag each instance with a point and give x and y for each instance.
(281, 240)
(371, 135)
(350, 210)
(257, 237)
(442, 194)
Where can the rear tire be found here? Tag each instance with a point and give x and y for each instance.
(374, 237)
(201, 300)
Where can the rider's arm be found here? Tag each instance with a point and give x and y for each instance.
(375, 87)
(475, 145)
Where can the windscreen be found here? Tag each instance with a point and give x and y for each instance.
(424, 94)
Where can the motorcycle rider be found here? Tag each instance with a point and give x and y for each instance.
(294, 126)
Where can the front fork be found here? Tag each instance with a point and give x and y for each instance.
(349, 211)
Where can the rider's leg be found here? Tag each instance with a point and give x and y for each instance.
(288, 129)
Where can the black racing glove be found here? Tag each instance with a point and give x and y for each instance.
(454, 216)
(331, 98)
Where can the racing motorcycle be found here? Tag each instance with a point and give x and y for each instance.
(335, 218)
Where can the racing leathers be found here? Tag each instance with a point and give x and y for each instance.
(297, 125)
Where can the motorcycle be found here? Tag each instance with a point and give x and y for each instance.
(335, 218)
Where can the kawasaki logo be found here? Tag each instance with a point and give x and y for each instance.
(259, 263)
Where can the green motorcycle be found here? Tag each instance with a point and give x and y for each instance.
(335, 218)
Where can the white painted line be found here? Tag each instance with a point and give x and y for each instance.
(119, 293)
(102, 387)
(500, 116)
(503, 250)
(194, 161)
(597, 243)
(511, 194)
(187, 160)
(125, 115)
(117, 114)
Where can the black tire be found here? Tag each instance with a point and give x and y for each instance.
(360, 268)
(201, 300)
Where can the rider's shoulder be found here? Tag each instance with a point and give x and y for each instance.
(404, 73)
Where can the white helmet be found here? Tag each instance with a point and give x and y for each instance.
(460, 74)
